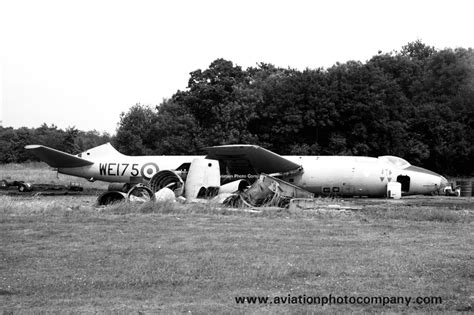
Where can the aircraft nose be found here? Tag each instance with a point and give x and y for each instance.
(428, 181)
(443, 182)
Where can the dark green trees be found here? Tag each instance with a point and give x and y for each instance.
(417, 104)
(71, 140)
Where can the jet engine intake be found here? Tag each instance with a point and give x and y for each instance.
(140, 193)
(110, 197)
(168, 179)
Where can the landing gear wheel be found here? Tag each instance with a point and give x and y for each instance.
(24, 187)
(3, 184)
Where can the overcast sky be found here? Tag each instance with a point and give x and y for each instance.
(82, 63)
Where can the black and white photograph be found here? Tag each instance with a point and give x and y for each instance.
(255, 157)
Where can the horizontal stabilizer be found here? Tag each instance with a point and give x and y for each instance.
(262, 160)
(56, 158)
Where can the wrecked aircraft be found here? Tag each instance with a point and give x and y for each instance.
(230, 168)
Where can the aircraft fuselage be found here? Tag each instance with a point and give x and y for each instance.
(127, 169)
(321, 175)
(361, 176)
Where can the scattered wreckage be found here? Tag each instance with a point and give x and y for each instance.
(449, 191)
(203, 182)
(348, 176)
(218, 176)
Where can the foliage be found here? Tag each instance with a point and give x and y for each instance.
(417, 104)
(133, 134)
(71, 140)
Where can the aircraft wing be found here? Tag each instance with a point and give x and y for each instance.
(258, 158)
(56, 158)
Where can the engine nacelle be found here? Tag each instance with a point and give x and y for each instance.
(140, 193)
(110, 197)
(203, 173)
(168, 179)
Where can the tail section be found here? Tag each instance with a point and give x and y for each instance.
(104, 150)
(56, 158)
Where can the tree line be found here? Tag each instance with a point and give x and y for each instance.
(70, 140)
(416, 103)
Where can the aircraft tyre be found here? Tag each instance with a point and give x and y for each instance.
(24, 187)
(3, 184)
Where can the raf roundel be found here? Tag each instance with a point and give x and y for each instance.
(149, 169)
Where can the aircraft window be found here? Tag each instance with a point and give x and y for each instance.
(335, 189)
(326, 189)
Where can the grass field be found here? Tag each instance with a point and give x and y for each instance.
(62, 254)
(40, 173)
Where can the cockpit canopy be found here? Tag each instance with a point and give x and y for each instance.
(395, 161)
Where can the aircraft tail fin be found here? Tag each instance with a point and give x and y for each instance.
(56, 158)
(104, 150)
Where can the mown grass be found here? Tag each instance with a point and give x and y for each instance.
(41, 173)
(459, 211)
(62, 254)
(421, 213)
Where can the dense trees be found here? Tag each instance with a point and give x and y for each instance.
(71, 140)
(417, 104)
(133, 134)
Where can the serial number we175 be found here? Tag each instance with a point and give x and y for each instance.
(118, 169)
